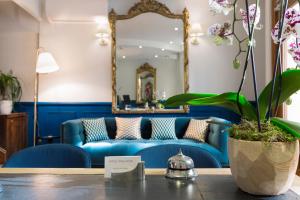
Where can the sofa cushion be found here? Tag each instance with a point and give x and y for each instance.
(181, 125)
(216, 130)
(128, 128)
(163, 129)
(98, 150)
(197, 130)
(95, 130)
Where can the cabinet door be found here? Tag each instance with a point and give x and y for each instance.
(16, 139)
(3, 131)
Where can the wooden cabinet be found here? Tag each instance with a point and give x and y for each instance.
(13, 132)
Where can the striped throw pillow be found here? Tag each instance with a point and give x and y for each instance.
(95, 130)
(197, 130)
(128, 128)
(163, 129)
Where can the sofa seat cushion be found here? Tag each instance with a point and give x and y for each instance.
(98, 150)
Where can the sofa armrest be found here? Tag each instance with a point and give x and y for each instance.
(72, 132)
(218, 134)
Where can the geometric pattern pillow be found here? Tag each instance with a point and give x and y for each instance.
(95, 130)
(197, 130)
(128, 128)
(163, 129)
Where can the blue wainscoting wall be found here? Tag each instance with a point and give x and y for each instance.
(51, 115)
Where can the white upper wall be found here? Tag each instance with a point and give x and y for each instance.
(75, 10)
(85, 74)
(18, 44)
(33, 7)
(15, 19)
(85, 66)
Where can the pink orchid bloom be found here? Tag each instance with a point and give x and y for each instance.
(294, 51)
(291, 26)
(220, 6)
(252, 17)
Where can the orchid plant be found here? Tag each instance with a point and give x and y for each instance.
(283, 84)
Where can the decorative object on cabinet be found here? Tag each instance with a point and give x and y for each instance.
(10, 92)
(13, 132)
(168, 49)
(45, 64)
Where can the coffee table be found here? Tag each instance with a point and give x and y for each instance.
(63, 184)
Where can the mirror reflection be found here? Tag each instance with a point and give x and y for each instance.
(146, 84)
(149, 61)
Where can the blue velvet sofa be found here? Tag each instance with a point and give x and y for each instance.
(215, 145)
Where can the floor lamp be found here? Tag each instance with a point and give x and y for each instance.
(45, 64)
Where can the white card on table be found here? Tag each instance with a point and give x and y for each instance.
(120, 164)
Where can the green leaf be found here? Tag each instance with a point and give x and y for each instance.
(290, 85)
(182, 99)
(10, 87)
(291, 127)
(226, 100)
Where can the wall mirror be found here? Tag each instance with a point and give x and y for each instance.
(149, 58)
(145, 84)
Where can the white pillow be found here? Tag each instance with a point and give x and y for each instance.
(128, 128)
(197, 130)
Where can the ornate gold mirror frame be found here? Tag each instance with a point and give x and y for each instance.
(147, 6)
(139, 89)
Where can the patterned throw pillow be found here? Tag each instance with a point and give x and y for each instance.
(163, 129)
(95, 130)
(197, 130)
(128, 128)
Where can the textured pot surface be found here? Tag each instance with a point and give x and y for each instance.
(6, 107)
(263, 168)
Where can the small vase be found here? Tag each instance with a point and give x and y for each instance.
(6, 107)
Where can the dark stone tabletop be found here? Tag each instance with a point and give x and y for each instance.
(65, 187)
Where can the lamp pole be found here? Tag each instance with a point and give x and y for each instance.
(45, 64)
(35, 114)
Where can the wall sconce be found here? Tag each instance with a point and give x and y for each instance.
(196, 33)
(103, 32)
(103, 35)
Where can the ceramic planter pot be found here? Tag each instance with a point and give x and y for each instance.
(263, 168)
(6, 107)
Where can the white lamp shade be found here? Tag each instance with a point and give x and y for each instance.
(103, 32)
(46, 63)
(196, 30)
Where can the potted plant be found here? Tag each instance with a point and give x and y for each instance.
(263, 150)
(10, 92)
